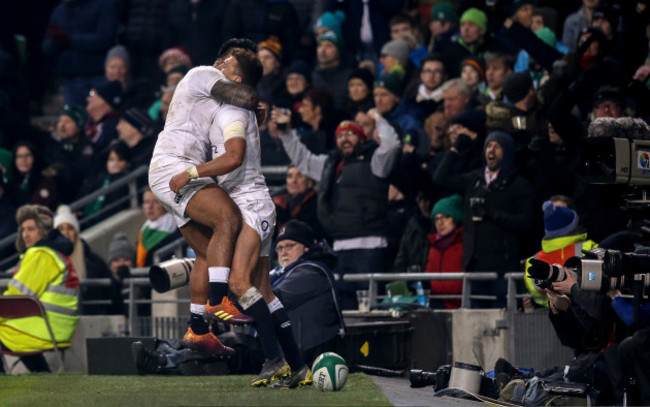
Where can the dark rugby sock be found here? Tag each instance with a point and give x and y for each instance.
(253, 305)
(284, 332)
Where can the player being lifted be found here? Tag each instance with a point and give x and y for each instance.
(235, 143)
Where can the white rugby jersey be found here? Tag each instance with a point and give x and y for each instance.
(191, 113)
(248, 177)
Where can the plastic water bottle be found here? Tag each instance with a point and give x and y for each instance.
(422, 300)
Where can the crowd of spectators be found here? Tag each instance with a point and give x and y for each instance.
(490, 100)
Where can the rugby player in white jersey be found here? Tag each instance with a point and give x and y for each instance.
(208, 219)
(235, 143)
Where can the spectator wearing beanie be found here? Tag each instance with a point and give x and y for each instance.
(117, 67)
(270, 53)
(360, 91)
(576, 22)
(330, 21)
(563, 239)
(353, 195)
(473, 41)
(86, 262)
(121, 257)
(73, 156)
(135, 129)
(103, 107)
(445, 251)
(305, 284)
(443, 26)
(497, 213)
(331, 73)
(390, 103)
(472, 71)
(394, 57)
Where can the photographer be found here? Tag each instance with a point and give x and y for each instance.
(583, 320)
(563, 238)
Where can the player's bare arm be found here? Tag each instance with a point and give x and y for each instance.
(235, 93)
(232, 158)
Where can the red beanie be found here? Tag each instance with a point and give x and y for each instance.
(354, 127)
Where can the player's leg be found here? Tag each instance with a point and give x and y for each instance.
(198, 335)
(213, 208)
(300, 372)
(252, 302)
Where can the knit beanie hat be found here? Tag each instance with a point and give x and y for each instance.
(363, 74)
(77, 114)
(331, 20)
(181, 69)
(118, 51)
(300, 67)
(477, 63)
(350, 126)
(607, 13)
(391, 82)
(558, 220)
(398, 49)
(476, 16)
(450, 206)
(297, 231)
(139, 119)
(272, 44)
(545, 34)
(517, 4)
(334, 39)
(64, 215)
(111, 92)
(516, 86)
(121, 248)
(444, 11)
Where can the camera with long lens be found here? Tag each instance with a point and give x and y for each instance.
(171, 274)
(602, 270)
(545, 280)
(439, 379)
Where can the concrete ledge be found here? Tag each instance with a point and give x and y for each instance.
(99, 236)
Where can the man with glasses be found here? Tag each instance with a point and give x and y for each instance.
(353, 196)
(427, 95)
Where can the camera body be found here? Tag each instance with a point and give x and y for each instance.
(602, 270)
(438, 379)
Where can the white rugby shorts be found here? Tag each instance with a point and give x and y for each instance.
(175, 204)
(258, 211)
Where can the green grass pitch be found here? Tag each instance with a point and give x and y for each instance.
(72, 390)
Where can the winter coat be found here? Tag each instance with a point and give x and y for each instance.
(306, 289)
(445, 255)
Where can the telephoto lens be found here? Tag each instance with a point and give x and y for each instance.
(420, 378)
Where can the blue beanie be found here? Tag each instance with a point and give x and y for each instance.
(333, 21)
(558, 220)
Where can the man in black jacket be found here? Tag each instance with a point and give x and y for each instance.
(352, 196)
(305, 284)
(498, 209)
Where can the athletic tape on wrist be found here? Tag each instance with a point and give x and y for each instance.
(193, 172)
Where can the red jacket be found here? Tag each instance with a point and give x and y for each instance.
(446, 256)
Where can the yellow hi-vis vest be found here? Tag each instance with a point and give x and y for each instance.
(556, 251)
(48, 275)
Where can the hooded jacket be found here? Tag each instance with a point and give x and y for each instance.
(493, 243)
(44, 271)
